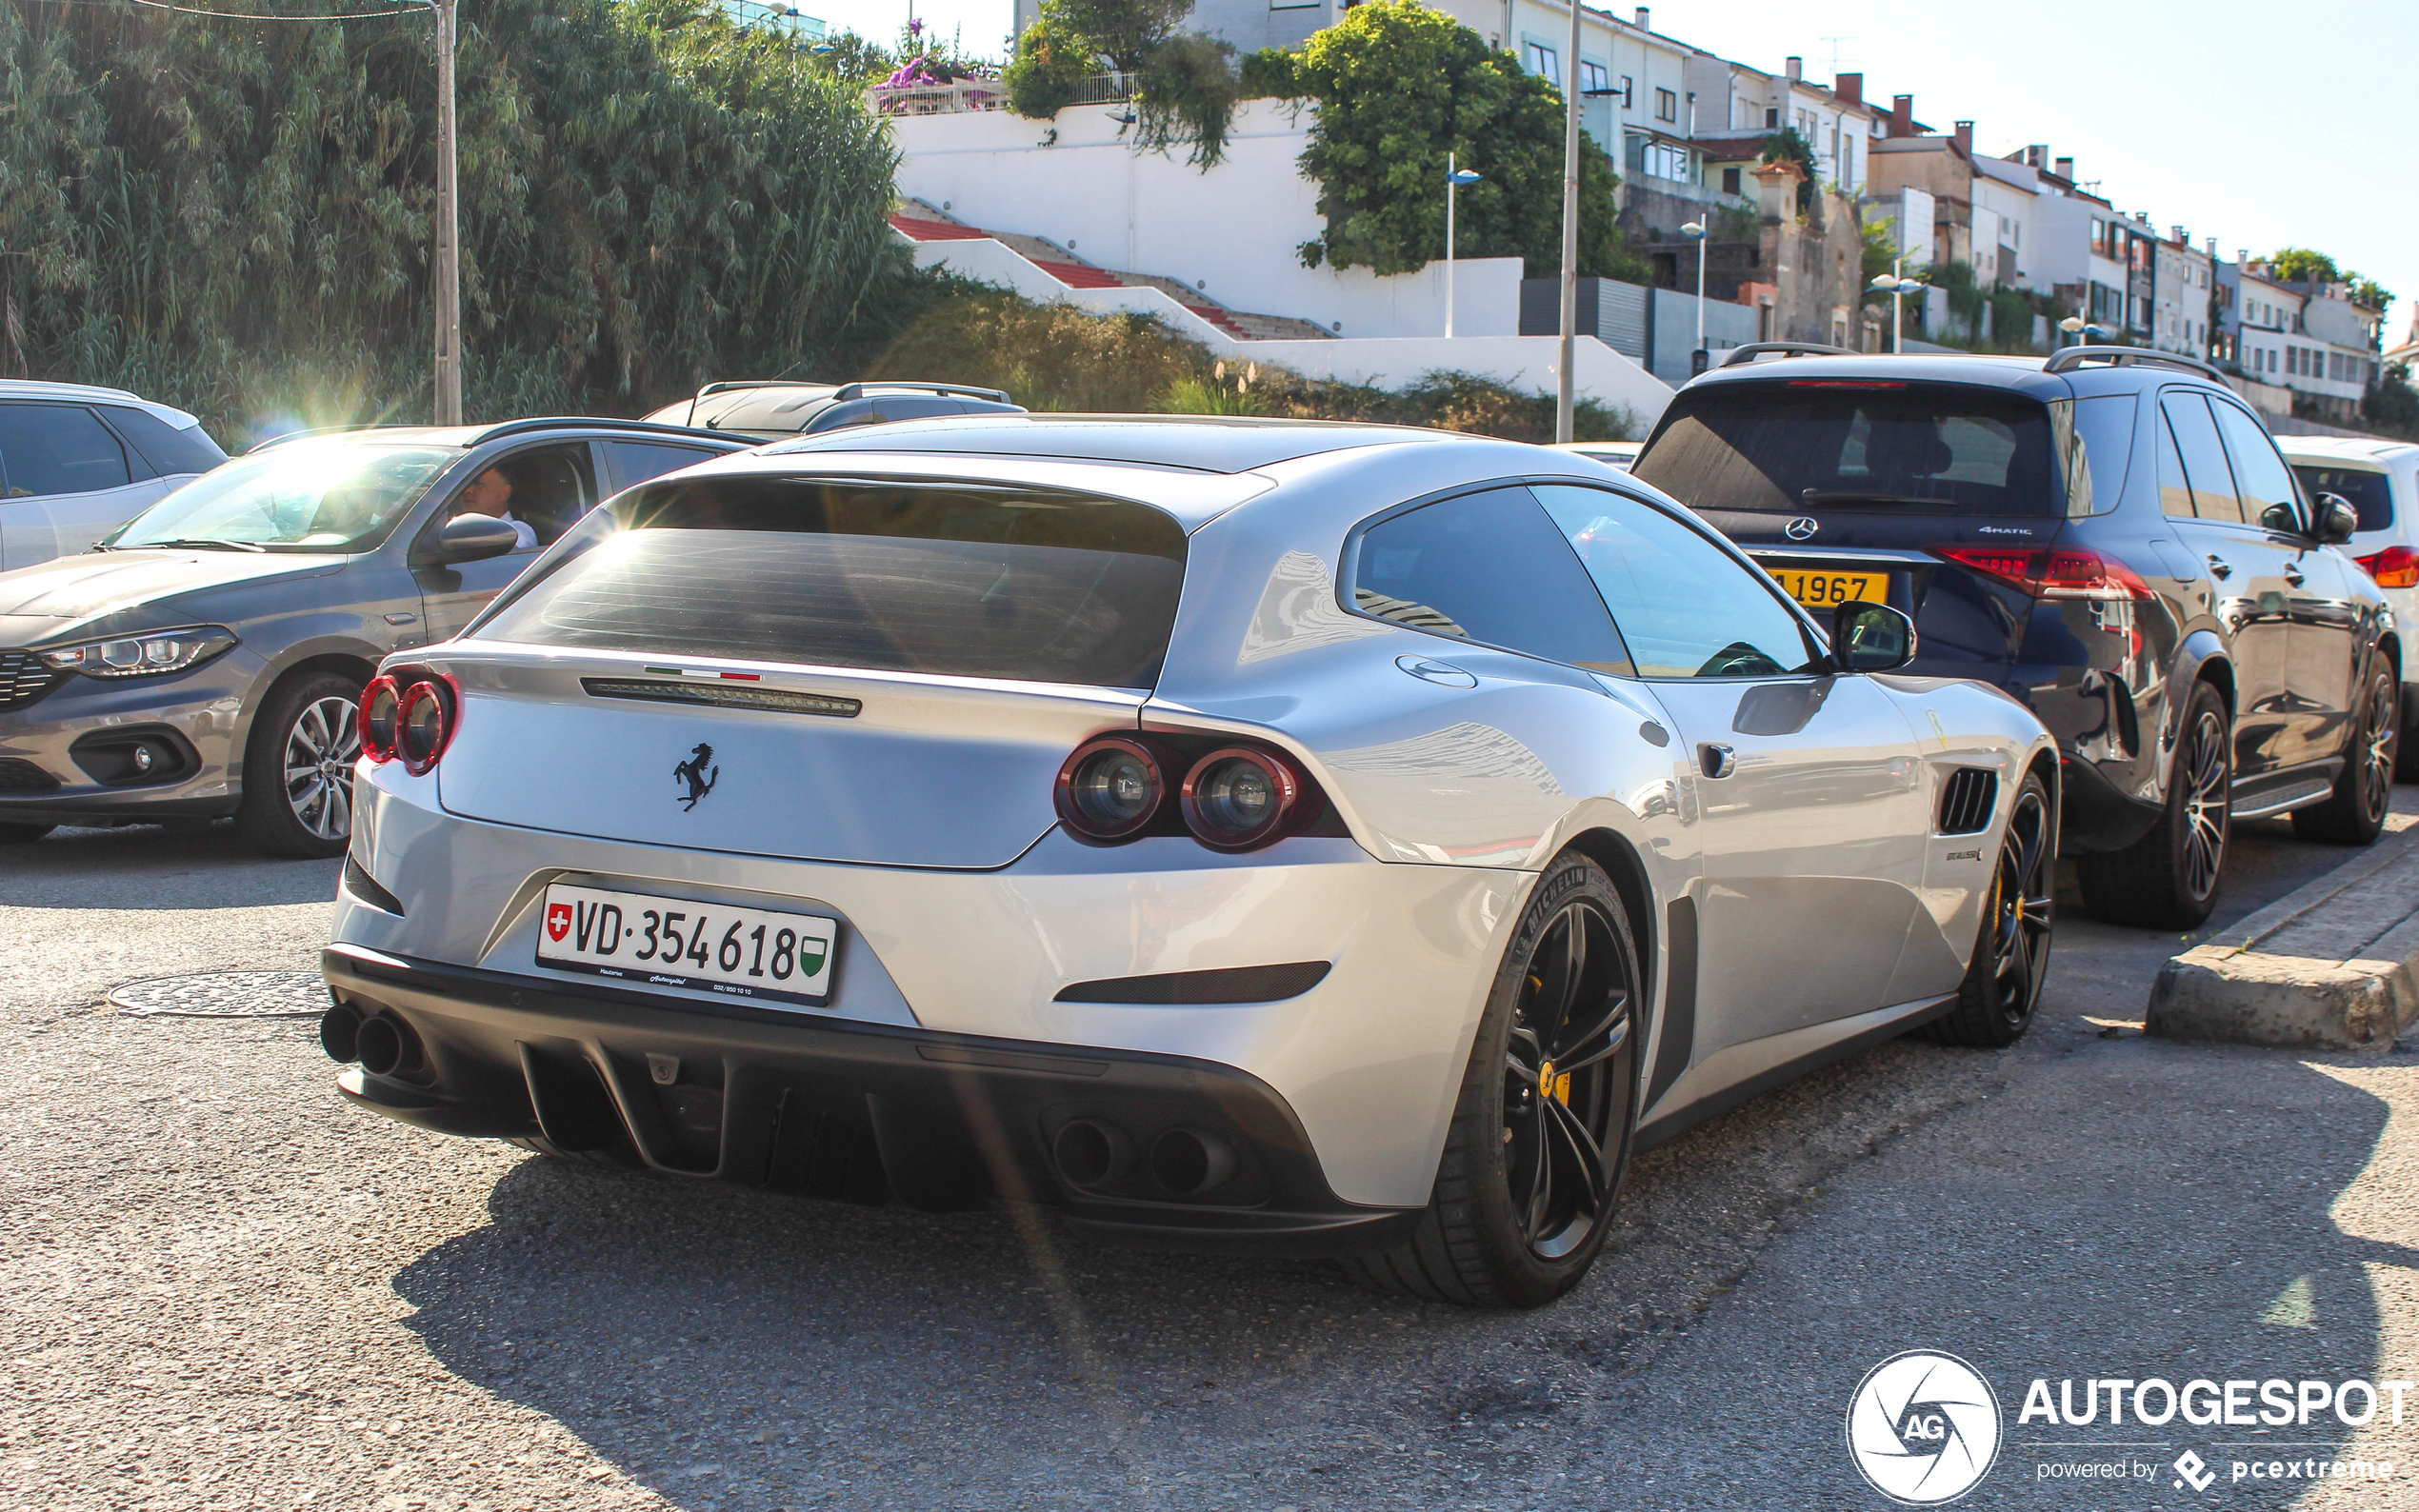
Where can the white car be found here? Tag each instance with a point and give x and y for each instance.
(1621, 455)
(76, 463)
(2380, 480)
(1330, 839)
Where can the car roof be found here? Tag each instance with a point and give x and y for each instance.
(2347, 449)
(465, 437)
(2022, 374)
(1197, 443)
(87, 393)
(771, 406)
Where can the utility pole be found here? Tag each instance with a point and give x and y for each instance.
(1566, 392)
(448, 258)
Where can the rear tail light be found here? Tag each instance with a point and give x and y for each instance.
(378, 704)
(409, 717)
(1113, 788)
(1231, 797)
(1242, 797)
(2397, 566)
(2052, 571)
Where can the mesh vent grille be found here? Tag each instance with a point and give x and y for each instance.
(1966, 800)
(17, 776)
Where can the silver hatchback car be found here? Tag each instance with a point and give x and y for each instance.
(1331, 839)
(208, 657)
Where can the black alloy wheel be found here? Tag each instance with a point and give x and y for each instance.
(1540, 1139)
(2002, 986)
(2168, 879)
(2354, 812)
(1567, 1037)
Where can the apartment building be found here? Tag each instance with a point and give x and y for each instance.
(2308, 337)
(2181, 296)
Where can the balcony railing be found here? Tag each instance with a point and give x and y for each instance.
(984, 95)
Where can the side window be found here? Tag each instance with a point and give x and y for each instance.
(171, 450)
(545, 487)
(2205, 464)
(839, 417)
(1685, 608)
(2259, 471)
(58, 449)
(2175, 495)
(634, 462)
(1489, 568)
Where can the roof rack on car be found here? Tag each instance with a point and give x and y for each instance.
(759, 383)
(856, 391)
(1754, 350)
(656, 428)
(2066, 358)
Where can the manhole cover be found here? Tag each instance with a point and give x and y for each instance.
(225, 995)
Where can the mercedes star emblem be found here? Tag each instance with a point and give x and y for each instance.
(1802, 528)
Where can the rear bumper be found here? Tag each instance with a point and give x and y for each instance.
(844, 1109)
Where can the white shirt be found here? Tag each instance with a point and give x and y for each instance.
(523, 538)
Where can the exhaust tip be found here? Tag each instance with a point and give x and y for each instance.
(1089, 1152)
(339, 1030)
(384, 1046)
(1189, 1161)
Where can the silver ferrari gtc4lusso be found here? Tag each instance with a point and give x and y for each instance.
(1311, 837)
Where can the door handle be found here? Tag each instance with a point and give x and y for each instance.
(1716, 759)
(2293, 575)
(2219, 567)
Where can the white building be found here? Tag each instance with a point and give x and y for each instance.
(2307, 337)
(2180, 302)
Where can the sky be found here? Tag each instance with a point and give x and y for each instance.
(2258, 124)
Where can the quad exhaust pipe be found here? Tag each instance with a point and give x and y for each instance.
(382, 1043)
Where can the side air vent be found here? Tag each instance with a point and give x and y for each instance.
(23, 678)
(1966, 800)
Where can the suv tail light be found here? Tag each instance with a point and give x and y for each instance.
(1236, 796)
(2397, 566)
(2052, 571)
(409, 717)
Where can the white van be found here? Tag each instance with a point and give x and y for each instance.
(76, 463)
(2381, 481)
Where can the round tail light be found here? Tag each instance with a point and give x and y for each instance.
(379, 702)
(424, 723)
(1241, 796)
(1112, 788)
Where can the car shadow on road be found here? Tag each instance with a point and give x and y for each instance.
(149, 866)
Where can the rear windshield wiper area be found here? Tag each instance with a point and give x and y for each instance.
(1817, 498)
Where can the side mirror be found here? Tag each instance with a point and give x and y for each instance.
(1869, 637)
(2337, 520)
(467, 538)
(2284, 519)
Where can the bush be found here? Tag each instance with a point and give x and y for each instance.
(1053, 58)
(236, 217)
(1400, 86)
(1185, 96)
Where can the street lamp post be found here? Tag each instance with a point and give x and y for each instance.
(1898, 287)
(1566, 390)
(1455, 178)
(1694, 230)
(2082, 330)
(449, 250)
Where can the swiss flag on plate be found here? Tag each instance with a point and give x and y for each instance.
(558, 920)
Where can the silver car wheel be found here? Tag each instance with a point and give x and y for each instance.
(320, 750)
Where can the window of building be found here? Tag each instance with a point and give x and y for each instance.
(1592, 78)
(1729, 181)
(1772, 119)
(1544, 62)
(1628, 94)
(1663, 160)
(1666, 106)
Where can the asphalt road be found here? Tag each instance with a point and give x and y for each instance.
(220, 1288)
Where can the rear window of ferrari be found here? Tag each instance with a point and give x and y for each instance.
(966, 580)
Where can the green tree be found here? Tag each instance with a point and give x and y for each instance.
(1398, 85)
(235, 216)
(1788, 146)
(1052, 59)
(2299, 265)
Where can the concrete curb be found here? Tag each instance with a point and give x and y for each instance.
(2332, 965)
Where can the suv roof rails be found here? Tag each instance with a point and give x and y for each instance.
(1738, 355)
(2066, 358)
(760, 382)
(655, 427)
(856, 391)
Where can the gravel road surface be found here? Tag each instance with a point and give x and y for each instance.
(221, 1288)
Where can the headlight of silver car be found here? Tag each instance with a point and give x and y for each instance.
(144, 655)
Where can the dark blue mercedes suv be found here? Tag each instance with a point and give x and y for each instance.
(2110, 536)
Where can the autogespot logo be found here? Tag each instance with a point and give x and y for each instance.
(1923, 1427)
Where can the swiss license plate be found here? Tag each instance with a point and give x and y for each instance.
(1822, 590)
(674, 942)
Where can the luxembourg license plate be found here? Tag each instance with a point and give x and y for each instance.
(1822, 590)
(673, 943)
